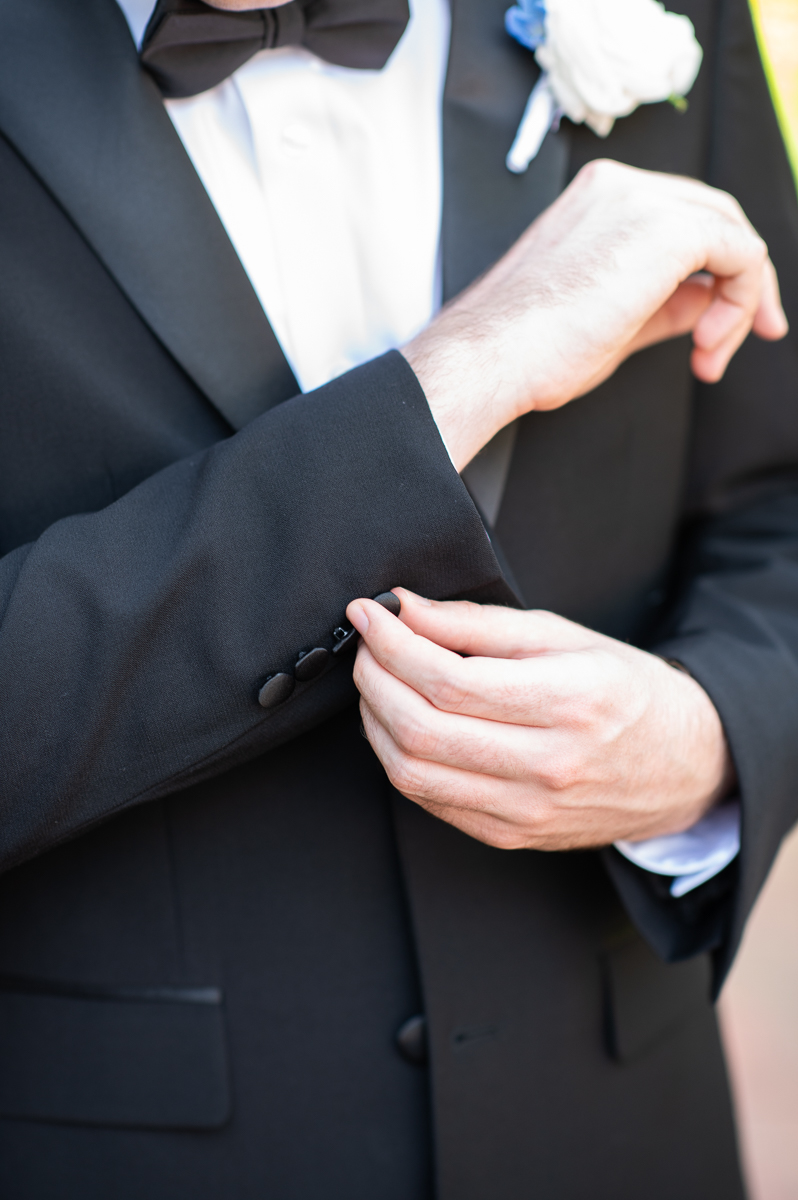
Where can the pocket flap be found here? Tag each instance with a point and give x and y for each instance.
(147, 1057)
(646, 998)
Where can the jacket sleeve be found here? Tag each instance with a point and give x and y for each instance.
(133, 641)
(734, 621)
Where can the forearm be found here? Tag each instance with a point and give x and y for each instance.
(605, 271)
(134, 640)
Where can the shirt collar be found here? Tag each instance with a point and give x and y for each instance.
(137, 13)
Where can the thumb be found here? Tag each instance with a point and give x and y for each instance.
(489, 630)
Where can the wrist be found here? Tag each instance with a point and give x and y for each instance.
(466, 381)
(715, 777)
(465, 422)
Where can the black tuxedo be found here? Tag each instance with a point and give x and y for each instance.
(214, 918)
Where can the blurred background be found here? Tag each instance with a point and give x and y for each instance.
(759, 1005)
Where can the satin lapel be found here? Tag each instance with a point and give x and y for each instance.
(91, 124)
(485, 206)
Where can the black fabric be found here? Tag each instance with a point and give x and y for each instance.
(487, 86)
(106, 149)
(625, 1026)
(676, 927)
(280, 887)
(173, 583)
(645, 999)
(131, 1056)
(161, 831)
(189, 47)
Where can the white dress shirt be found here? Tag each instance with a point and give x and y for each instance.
(329, 181)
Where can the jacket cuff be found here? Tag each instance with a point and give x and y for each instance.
(753, 684)
(693, 856)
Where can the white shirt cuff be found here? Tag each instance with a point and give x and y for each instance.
(694, 856)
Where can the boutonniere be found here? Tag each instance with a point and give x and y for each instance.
(600, 59)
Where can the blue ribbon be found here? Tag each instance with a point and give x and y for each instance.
(526, 22)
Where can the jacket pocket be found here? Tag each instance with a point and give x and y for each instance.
(147, 1057)
(646, 999)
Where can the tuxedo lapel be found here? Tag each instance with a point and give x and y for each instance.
(91, 124)
(76, 105)
(485, 206)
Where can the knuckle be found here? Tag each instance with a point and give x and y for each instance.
(558, 774)
(507, 838)
(413, 736)
(587, 707)
(753, 245)
(359, 673)
(726, 198)
(448, 694)
(407, 776)
(471, 609)
(587, 173)
(600, 170)
(727, 206)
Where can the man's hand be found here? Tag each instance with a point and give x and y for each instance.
(623, 259)
(547, 736)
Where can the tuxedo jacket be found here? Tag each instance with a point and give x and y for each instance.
(215, 917)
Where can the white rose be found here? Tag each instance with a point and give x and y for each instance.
(604, 57)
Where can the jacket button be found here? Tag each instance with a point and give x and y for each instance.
(390, 601)
(275, 690)
(411, 1040)
(310, 665)
(345, 639)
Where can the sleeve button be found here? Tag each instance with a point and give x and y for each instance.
(275, 690)
(311, 664)
(390, 601)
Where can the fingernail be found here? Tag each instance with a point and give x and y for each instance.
(357, 615)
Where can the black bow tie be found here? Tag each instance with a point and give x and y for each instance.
(189, 47)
